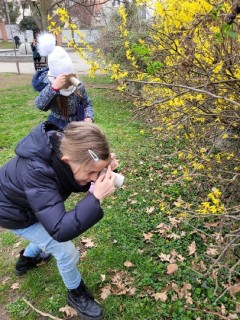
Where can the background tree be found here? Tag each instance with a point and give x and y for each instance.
(81, 12)
(14, 11)
(28, 23)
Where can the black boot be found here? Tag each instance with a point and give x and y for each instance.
(26, 263)
(83, 302)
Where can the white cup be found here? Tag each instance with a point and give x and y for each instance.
(119, 178)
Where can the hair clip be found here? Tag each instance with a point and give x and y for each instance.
(60, 134)
(93, 155)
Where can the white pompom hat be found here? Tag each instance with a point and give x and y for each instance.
(59, 62)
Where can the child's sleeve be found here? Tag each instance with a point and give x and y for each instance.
(45, 98)
(87, 104)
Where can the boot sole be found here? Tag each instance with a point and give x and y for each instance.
(21, 272)
(83, 316)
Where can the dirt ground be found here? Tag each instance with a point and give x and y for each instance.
(3, 313)
(8, 79)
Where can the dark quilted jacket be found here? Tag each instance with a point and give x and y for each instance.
(30, 192)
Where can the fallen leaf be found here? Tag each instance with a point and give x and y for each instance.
(150, 210)
(15, 286)
(233, 316)
(171, 268)
(212, 251)
(174, 222)
(69, 311)
(223, 309)
(160, 296)
(164, 257)
(105, 292)
(128, 264)
(103, 277)
(148, 236)
(16, 245)
(88, 242)
(192, 248)
(5, 280)
(234, 289)
(173, 236)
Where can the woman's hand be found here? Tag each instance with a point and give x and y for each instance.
(104, 185)
(113, 162)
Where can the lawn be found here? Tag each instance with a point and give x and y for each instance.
(6, 45)
(141, 262)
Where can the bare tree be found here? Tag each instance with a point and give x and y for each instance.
(81, 11)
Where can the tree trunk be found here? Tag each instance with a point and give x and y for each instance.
(44, 13)
(40, 13)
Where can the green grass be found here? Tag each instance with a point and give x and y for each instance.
(119, 237)
(6, 45)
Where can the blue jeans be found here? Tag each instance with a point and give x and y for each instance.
(65, 253)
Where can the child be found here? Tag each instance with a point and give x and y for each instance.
(49, 165)
(66, 101)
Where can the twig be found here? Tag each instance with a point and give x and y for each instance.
(208, 312)
(186, 87)
(219, 297)
(40, 312)
(222, 253)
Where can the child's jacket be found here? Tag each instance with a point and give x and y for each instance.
(31, 190)
(79, 108)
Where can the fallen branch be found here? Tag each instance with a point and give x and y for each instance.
(222, 253)
(40, 312)
(208, 312)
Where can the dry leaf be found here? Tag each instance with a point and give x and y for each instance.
(171, 268)
(214, 274)
(160, 296)
(237, 307)
(179, 202)
(103, 277)
(133, 201)
(122, 283)
(187, 286)
(69, 311)
(189, 299)
(5, 280)
(150, 210)
(234, 289)
(192, 248)
(173, 236)
(105, 292)
(128, 264)
(212, 251)
(148, 236)
(233, 316)
(164, 257)
(88, 242)
(16, 245)
(223, 309)
(15, 286)
(174, 297)
(174, 222)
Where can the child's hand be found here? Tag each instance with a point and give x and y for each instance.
(88, 120)
(60, 82)
(104, 185)
(113, 162)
